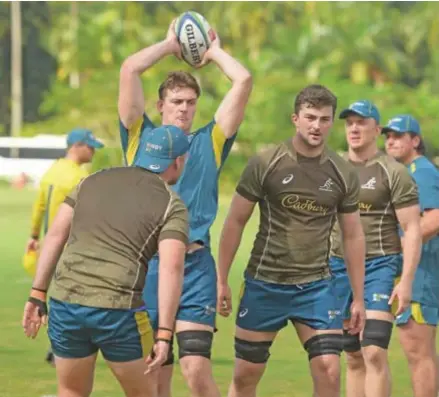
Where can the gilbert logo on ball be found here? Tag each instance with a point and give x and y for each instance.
(194, 35)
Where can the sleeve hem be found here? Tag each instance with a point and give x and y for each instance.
(406, 204)
(247, 195)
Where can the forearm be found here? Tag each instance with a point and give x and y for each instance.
(354, 255)
(170, 287)
(228, 246)
(49, 256)
(412, 244)
(429, 226)
(236, 72)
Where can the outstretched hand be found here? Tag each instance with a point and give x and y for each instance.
(214, 45)
(172, 39)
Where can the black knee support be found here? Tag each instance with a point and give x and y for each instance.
(377, 333)
(253, 352)
(194, 343)
(351, 343)
(323, 344)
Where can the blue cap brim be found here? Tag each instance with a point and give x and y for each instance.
(95, 144)
(346, 112)
(153, 164)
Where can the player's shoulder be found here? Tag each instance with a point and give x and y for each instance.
(391, 165)
(269, 155)
(341, 163)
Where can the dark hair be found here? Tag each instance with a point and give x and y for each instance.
(420, 149)
(179, 80)
(315, 96)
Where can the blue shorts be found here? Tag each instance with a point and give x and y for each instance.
(77, 331)
(420, 313)
(198, 299)
(267, 307)
(380, 277)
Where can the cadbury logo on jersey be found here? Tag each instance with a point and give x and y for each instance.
(364, 207)
(293, 201)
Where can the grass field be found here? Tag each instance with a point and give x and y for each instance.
(23, 372)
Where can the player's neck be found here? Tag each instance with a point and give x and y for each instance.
(305, 150)
(411, 158)
(362, 155)
(73, 157)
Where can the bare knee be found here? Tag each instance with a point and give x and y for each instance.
(327, 367)
(247, 375)
(355, 361)
(198, 373)
(375, 357)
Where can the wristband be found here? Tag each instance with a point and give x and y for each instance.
(38, 289)
(164, 334)
(163, 340)
(166, 329)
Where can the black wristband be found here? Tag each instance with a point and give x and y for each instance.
(168, 341)
(42, 306)
(41, 290)
(166, 329)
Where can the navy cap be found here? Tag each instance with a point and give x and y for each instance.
(160, 147)
(401, 124)
(363, 108)
(82, 135)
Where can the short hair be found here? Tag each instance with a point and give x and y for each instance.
(420, 149)
(316, 96)
(179, 79)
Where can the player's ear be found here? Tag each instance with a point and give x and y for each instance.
(294, 118)
(160, 106)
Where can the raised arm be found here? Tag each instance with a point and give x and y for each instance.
(131, 103)
(232, 108)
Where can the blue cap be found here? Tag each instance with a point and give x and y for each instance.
(363, 108)
(160, 147)
(81, 135)
(402, 124)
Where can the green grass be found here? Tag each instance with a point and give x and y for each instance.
(23, 372)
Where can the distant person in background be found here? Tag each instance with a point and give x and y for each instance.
(417, 325)
(59, 180)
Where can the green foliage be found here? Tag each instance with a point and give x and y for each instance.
(386, 52)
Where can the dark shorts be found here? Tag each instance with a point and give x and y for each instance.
(77, 331)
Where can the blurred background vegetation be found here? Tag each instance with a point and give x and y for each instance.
(72, 51)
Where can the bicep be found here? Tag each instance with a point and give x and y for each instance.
(241, 209)
(408, 216)
(350, 224)
(172, 252)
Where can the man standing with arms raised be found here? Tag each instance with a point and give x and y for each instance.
(417, 325)
(301, 188)
(198, 188)
(388, 198)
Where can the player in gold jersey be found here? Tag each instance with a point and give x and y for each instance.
(58, 181)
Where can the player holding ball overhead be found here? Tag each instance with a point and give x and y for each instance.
(189, 38)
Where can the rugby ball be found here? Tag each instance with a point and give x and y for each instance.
(194, 35)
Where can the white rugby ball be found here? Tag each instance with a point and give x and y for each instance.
(194, 35)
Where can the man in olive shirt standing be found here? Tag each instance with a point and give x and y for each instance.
(301, 187)
(388, 197)
(113, 223)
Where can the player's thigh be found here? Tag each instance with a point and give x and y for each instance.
(199, 294)
(380, 278)
(263, 307)
(132, 378)
(68, 332)
(417, 330)
(122, 335)
(75, 375)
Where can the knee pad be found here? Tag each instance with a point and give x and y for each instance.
(351, 343)
(194, 343)
(323, 344)
(377, 333)
(253, 352)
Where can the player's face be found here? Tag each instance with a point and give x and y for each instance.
(85, 153)
(178, 108)
(400, 146)
(313, 124)
(361, 132)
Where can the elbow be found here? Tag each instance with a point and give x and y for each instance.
(127, 69)
(246, 80)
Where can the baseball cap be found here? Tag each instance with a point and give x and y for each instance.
(401, 124)
(160, 147)
(363, 108)
(82, 135)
